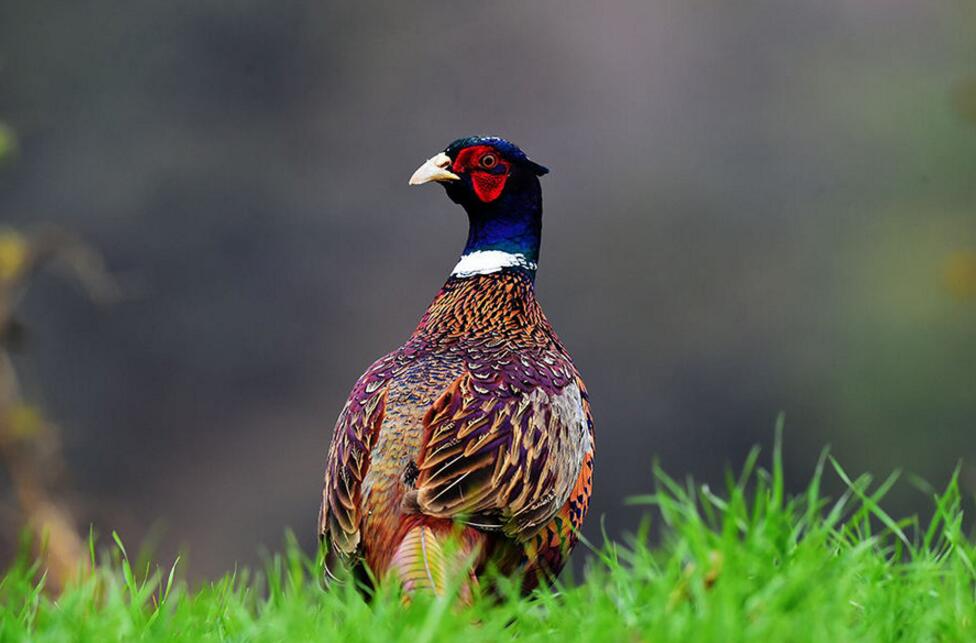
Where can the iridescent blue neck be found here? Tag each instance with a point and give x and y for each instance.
(511, 224)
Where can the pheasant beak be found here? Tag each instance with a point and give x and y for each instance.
(434, 169)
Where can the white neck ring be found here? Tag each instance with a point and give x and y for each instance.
(484, 262)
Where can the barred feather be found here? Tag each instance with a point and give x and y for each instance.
(484, 405)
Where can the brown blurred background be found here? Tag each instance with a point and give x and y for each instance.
(753, 207)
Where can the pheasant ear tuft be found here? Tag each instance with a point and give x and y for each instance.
(539, 170)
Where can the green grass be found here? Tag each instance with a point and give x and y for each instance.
(748, 564)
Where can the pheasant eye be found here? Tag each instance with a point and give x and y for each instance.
(489, 161)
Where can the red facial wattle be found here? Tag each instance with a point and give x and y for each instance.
(487, 186)
(488, 182)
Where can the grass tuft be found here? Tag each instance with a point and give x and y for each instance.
(748, 563)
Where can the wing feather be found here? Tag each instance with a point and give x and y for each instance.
(355, 434)
(501, 456)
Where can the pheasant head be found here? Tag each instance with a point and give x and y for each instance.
(498, 186)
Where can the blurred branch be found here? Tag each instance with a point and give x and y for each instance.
(21, 256)
(30, 446)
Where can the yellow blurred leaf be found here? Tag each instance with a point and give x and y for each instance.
(24, 421)
(959, 274)
(964, 99)
(13, 254)
(8, 141)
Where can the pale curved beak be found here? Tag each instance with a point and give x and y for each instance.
(435, 169)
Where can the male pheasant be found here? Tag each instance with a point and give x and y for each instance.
(478, 428)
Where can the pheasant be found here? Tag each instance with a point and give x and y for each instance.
(470, 447)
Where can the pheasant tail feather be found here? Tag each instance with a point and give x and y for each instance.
(427, 560)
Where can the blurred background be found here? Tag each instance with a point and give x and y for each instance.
(753, 208)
